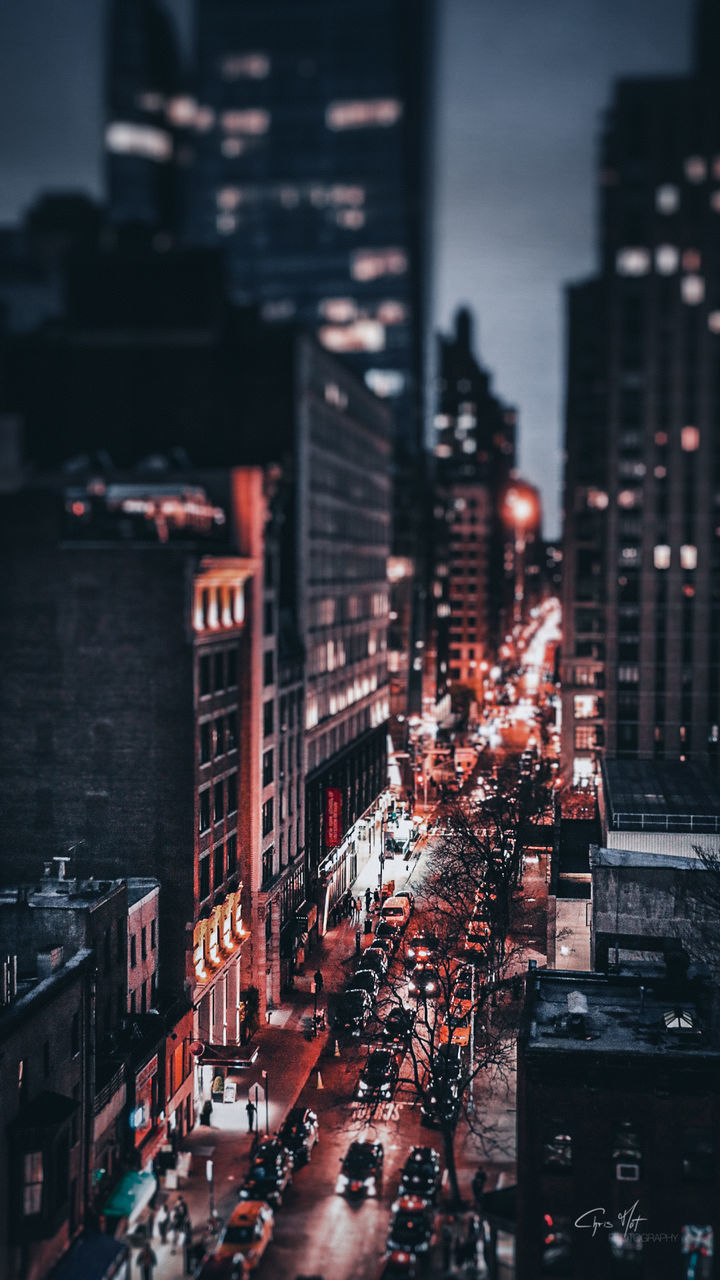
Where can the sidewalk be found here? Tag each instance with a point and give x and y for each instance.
(289, 1057)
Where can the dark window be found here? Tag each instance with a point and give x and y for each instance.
(204, 810)
(218, 671)
(268, 768)
(268, 668)
(219, 735)
(557, 1151)
(218, 865)
(143, 942)
(231, 854)
(232, 793)
(267, 817)
(205, 742)
(218, 802)
(230, 733)
(269, 620)
(268, 718)
(204, 877)
(231, 668)
(204, 680)
(133, 951)
(267, 866)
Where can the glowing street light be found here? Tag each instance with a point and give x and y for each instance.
(521, 511)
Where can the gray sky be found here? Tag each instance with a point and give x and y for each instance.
(522, 86)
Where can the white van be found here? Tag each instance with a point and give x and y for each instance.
(396, 911)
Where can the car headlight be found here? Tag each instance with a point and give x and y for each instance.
(370, 1181)
(362, 1087)
(430, 986)
(342, 1182)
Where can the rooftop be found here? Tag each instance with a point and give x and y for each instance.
(60, 891)
(620, 1013)
(660, 795)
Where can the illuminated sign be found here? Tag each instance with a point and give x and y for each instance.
(333, 817)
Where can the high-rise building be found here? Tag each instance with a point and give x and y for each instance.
(641, 663)
(145, 113)
(311, 159)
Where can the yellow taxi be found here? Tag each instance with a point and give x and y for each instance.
(456, 1029)
(248, 1231)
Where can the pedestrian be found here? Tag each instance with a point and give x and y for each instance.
(163, 1222)
(460, 1251)
(146, 1261)
(376, 897)
(318, 981)
(206, 1112)
(473, 1229)
(447, 1243)
(250, 1108)
(478, 1187)
(358, 942)
(358, 904)
(178, 1225)
(368, 900)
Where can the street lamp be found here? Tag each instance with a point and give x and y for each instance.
(520, 508)
(267, 1100)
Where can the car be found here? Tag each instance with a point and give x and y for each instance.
(407, 893)
(440, 1101)
(455, 1028)
(352, 1011)
(375, 958)
(477, 938)
(392, 932)
(364, 980)
(421, 1174)
(379, 1075)
(361, 1169)
(398, 1026)
(397, 911)
(399, 1265)
(424, 981)
(269, 1175)
(248, 1232)
(419, 948)
(299, 1133)
(411, 1228)
(385, 944)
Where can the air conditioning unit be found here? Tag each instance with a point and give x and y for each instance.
(627, 1172)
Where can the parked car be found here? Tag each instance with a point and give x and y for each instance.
(477, 938)
(424, 981)
(375, 958)
(398, 1026)
(352, 1011)
(385, 944)
(364, 980)
(420, 948)
(421, 1174)
(379, 1075)
(440, 1101)
(411, 1228)
(361, 1169)
(269, 1175)
(248, 1231)
(399, 1265)
(390, 931)
(397, 911)
(299, 1133)
(455, 1028)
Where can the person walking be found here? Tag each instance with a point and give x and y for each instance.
(319, 984)
(250, 1108)
(146, 1261)
(358, 904)
(368, 900)
(478, 1187)
(163, 1222)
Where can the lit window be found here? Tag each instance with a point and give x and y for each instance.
(666, 259)
(628, 674)
(338, 310)
(362, 335)
(363, 113)
(385, 383)
(336, 396)
(345, 195)
(351, 219)
(714, 322)
(278, 309)
(443, 451)
(138, 140)
(695, 169)
(661, 556)
(691, 260)
(661, 438)
(660, 473)
(692, 289)
(629, 555)
(391, 312)
(150, 101)
(254, 120)
(226, 223)
(667, 198)
(633, 262)
(232, 147)
(688, 557)
(33, 1177)
(597, 499)
(229, 198)
(583, 770)
(585, 706)
(690, 439)
(181, 111)
(204, 119)
(245, 66)
(628, 498)
(370, 264)
(469, 446)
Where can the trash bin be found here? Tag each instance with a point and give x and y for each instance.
(368, 924)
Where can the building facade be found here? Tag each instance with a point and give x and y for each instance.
(641, 676)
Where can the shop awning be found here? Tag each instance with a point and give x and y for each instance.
(132, 1193)
(93, 1257)
(240, 1056)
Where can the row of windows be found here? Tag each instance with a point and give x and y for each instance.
(217, 801)
(143, 943)
(224, 863)
(217, 671)
(217, 737)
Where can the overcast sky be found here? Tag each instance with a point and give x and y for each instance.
(522, 86)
